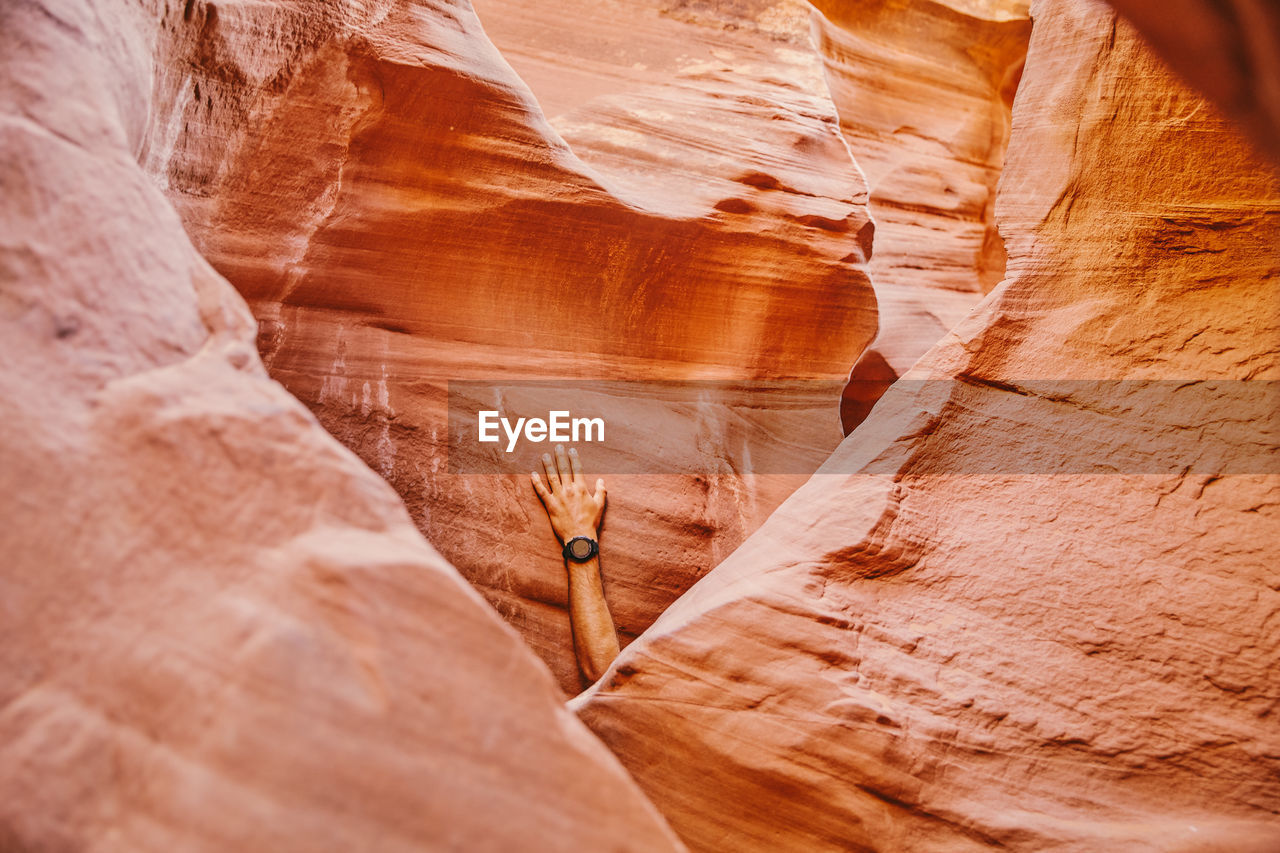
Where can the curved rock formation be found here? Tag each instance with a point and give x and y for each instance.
(924, 90)
(1031, 603)
(221, 631)
(387, 195)
(692, 105)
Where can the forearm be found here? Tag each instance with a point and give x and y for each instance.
(595, 641)
(575, 515)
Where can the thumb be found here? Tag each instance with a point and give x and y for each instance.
(601, 495)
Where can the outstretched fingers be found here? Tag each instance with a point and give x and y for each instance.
(576, 465)
(538, 487)
(562, 464)
(553, 476)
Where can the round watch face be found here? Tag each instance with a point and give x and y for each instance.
(580, 548)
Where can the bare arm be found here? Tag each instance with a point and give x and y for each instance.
(574, 511)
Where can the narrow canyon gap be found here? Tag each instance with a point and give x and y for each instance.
(390, 200)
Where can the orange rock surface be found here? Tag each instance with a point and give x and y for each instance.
(1229, 50)
(220, 629)
(1031, 603)
(924, 90)
(388, 196)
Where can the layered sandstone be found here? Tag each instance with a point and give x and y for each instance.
(924, 90)
(1031, 603)
(221, 630)
(388, 196)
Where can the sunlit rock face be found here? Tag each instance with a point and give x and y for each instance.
(221, 630)
(390, 199)
(1031, 603)
(924, 91)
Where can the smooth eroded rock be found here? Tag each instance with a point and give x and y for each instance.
(924, 91)
(388, 196)
(220, 629)
(1031, 602)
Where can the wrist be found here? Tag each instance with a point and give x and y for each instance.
(588, 532)
(583, 570)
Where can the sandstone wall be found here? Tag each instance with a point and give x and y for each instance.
(1031, 603)
(220, 630)
(1228, 50)
(924, 91)
(388, 196)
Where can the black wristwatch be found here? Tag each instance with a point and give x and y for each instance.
(579, 549)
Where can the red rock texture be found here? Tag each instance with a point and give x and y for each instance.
(684, 104)
(220, 630)
(992, 620)
(1228, 50)
(924, 91)
(389, 198)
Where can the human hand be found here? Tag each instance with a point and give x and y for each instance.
(573, 510)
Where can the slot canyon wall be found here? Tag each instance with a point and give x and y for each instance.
(220, 630)
(1015, 612)
(998, 616)
(388, 197)
(924, 91)
(300, 172)
(1228, 50)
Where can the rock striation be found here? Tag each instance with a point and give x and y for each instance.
(387, 195)
(924, 91)
(1031, 603)
(221, 630)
